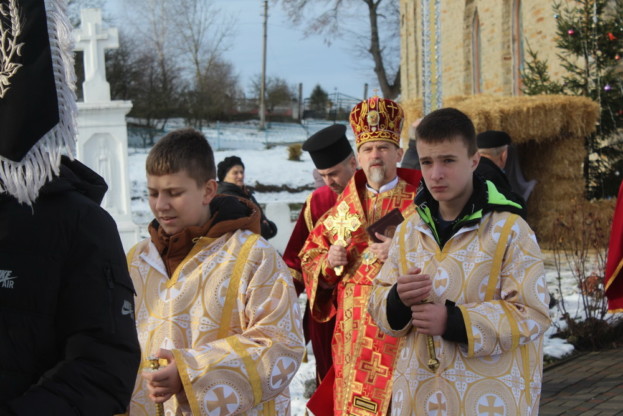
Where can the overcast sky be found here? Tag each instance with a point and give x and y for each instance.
(289, 54)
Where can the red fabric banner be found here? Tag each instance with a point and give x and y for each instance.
(614, 265)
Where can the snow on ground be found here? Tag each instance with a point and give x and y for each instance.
(270, 166)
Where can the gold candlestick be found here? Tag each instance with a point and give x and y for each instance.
(154, 365)
(433, 362)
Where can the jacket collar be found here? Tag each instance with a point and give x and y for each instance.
(485, 198)
(229, 213)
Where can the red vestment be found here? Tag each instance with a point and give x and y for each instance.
(363, 356)
(614, 265)
(319, 333)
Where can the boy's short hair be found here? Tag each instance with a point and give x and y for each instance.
(445, 124)
(183, 149)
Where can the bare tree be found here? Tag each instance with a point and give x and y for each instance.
(74, 7)
(185, 40)
(347, 18)
(138, 74)
(153, 57)
(278, 92)
(203, 33)
(216, 98)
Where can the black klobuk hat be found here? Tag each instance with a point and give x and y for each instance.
(492, 138)
(329, 146)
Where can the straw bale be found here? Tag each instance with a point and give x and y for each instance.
(554, 160)
(601, 210)
(539, 117)
(557, 167)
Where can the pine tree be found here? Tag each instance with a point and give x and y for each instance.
(536, 79)
(319, 101)
(590, 43)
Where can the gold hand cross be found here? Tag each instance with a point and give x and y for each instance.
(341, 225)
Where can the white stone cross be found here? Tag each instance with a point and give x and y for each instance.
(93, 39)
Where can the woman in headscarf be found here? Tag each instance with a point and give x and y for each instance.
(230, 174)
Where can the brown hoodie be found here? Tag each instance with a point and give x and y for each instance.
(229, 214)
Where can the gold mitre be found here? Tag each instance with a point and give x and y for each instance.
(377, 119)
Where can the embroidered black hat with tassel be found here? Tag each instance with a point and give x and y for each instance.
(37, 102)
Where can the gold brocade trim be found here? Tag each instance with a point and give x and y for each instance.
(250, 365)
(378, 136)
(199, 245)
(311, 284)
(441, 254)
(513, 324)
(468, 329)
(496, 266)
(615, 310)
(345, 347)
(269, 408)
(234, 285)
(186, 382)
(365, 404)
(296, 275)
(307, 214)
(403, 249)
(409, 211)
(351, 196)
(525, 357)
(130, 254)
(613, 276)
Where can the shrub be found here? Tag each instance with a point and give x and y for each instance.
(295, 151)
(587, 325)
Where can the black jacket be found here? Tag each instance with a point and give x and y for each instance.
(491, 172)
(269, 229)
(67, 334)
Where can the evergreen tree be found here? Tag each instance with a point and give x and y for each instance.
(319, 101)
(590, 41)
(535, 77)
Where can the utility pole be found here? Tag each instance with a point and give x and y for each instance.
(300, 115)
(263, 81)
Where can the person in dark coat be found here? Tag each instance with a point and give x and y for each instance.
(493, 147)
(230, 174)
(67, 334)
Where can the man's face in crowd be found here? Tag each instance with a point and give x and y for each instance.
(379, 160)
(336, 177)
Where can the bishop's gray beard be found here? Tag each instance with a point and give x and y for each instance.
(377, 174)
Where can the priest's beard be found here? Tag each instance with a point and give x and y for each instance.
(377, 174)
